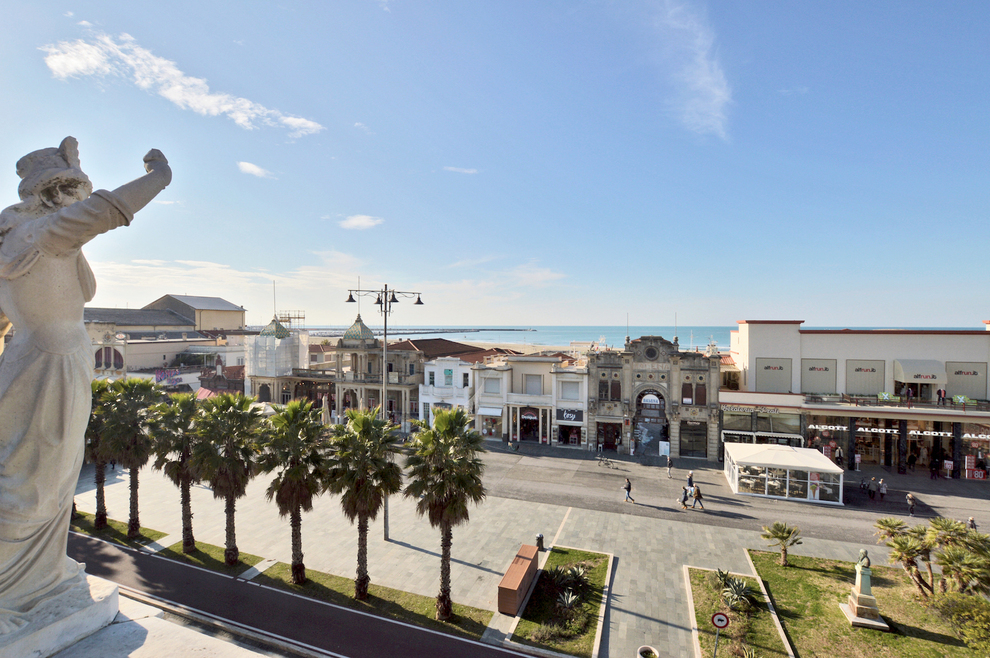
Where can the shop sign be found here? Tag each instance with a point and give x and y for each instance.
(982, 437)
(974, 445)
(829, 428)
(833, 444)
(529, 415)
(745, 409)
(929, 433)
(572, 415)
(947, 465)
(878, 430)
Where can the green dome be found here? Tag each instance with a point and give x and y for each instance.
(359, 331)
(275, 328)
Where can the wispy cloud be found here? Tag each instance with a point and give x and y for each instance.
(793, 91)
(459, 170)
(103, 56)
(701, 92)
(363, 128)
(531, 274)
(254, 170)
(467, 262)
(360, 222)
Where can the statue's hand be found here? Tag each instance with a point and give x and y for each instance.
(155, 161)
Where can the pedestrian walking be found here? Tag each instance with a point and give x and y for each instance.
(670, 465)
(971, 524)
(697, 497)
(871, 488)
(838, 456)
(882, 488)
(941, 396)
(684, 497)
(690, 479)
(911, 501)
(933, 469)
(113, 464)
(628, 489)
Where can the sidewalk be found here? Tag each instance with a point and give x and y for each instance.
(562, 496)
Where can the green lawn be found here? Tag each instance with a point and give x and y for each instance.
(392, 603)
(755, 630)
(116, 531)
(577, 637)
(210, 557)
(807, 596)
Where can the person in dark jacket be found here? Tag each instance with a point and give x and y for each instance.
(697, 497)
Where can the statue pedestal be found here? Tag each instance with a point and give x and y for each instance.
(861, 607)
(63, 620)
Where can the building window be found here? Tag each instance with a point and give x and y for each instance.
(412, 369)
(312, 358)
(448, 377)
(533, 384)
(687, 395)
(492, 385)
(433, 380)
(610, 390)
(700, 395)
(107, 357)
(570, 390)
(426, 412)
(467, 380)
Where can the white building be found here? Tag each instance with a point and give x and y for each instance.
(271, 357)
(448, 384)
(874, 393)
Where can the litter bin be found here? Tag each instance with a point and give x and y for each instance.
(539, 541)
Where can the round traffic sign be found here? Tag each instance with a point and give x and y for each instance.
(720, 620)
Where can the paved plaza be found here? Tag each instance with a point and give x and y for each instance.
(573, 502)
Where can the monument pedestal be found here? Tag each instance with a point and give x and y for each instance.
(861, 607)
(62, 620)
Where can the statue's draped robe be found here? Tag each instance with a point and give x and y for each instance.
(45, 399)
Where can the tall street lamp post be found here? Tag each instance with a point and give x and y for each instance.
(384, 300)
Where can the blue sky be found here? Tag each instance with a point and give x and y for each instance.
(533, 163)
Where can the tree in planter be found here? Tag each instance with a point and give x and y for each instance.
(128, 413)
(445, 474)
(364, 471)
(293, 445)
(783, 536)
(174, 434)
(226, 456)
(95, 450)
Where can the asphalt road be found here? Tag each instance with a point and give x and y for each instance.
(330, 628)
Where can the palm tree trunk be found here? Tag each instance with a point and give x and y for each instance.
(230, 553)
(298, 568)
(783, 556)
(134, 524)
(445, 607)
(188, 541)
(912, 573)
(100, 477)
(362, 580)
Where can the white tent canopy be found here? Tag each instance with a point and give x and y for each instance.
(921, 371)
(780, 456)
(778, 471)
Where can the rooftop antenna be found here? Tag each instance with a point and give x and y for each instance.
(274, 301)
(675, 328)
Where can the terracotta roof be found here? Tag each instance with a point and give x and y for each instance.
(433, 348)
(234, 372)
(727, 360)
(321, 348)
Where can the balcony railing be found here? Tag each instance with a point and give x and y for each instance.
(895, 401)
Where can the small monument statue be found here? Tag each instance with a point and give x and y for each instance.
(861, 608)
(46, 370)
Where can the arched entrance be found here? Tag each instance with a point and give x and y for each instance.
(264, 393)
(650, 422)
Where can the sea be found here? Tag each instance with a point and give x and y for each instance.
(558, 336)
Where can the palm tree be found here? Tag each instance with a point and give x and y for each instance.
(95, 449)
(946, 532)
(293, 444)
(888, 528)
(128, 413)
(782, 535)
(925, 539)
(226, 456)
(445, 474)
(962, 566)
(174, 436)
(363, 469)
(905, 549)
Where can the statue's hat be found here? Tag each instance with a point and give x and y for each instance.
(45, 167)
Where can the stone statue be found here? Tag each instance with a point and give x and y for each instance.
(46, 370)
(863, 573)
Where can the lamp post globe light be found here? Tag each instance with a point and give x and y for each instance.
(384, 299)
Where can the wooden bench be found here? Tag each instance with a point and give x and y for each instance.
(516, 581)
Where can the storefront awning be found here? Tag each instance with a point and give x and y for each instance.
(777, 456)
(489, 411)
(919, 371)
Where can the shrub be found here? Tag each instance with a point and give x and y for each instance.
(738, 594)
(971, 615)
